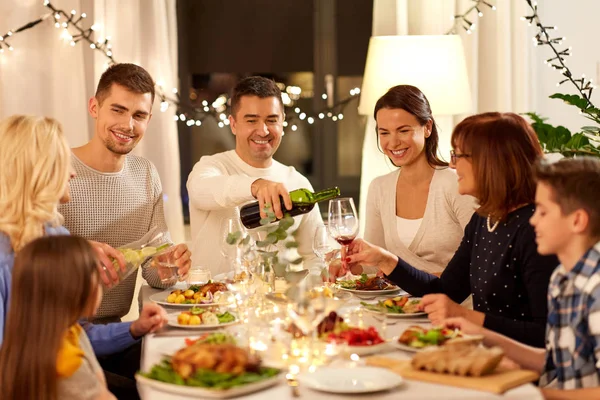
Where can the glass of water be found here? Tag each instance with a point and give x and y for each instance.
(164, 262)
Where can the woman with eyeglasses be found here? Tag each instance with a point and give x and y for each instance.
(497, 261)
(415, 211)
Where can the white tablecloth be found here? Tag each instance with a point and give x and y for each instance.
(151, 354)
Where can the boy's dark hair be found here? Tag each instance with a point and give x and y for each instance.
(132, 77)
(254, 86)
(575, 183)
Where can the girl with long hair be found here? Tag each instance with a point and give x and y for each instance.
(497, 260)
(46, 355)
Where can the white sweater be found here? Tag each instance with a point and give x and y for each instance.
(442, 228)
(220, 183)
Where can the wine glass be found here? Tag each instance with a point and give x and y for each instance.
(231, 228)
(343, 222)
(321, 244)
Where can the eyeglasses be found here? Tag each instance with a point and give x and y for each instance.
(455, 156)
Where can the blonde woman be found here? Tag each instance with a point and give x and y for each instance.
(34, 178)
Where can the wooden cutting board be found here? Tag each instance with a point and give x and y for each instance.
(498, 382)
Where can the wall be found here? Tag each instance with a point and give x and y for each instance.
(577, 21)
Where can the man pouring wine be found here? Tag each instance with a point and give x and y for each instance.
(222, 182)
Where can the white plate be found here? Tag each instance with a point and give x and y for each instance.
(198, 392)
(372, 292)
(398, 315)
(363, 350)
(161, 298)
(350, 380)
(172, 321)
(400, 346)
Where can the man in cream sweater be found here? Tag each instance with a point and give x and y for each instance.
(221, 182)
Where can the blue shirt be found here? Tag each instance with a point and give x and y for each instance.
(105, 339)
(573, 331)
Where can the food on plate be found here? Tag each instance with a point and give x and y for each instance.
(198, 294)
(331, 323)
(396, 305)
(212, 338)
(366, 283)
(204, 316)
(356, 337)
(418, 337)
(464, 359)
(214, 366)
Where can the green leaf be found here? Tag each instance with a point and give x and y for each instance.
(296, 261)
(263, 243)
(595, 130)
(266, 221)
(572, 99)
(272, 238)
(246, 240)
(291, 245)
(281, 234)
(233, 237)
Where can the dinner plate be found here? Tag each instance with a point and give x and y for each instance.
(363, 350)
(198, 392)
(391, 290)
(397, 315)
(172, 321)
(401, 346)
(350, 380)
(161, 298)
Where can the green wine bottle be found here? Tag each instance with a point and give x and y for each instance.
(303, 200)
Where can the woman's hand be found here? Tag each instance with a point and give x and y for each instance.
(361, 252)
(439, 307)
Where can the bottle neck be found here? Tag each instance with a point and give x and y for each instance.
(326, 194)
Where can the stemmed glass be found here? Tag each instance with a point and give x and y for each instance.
(343, 223)
(322, 245)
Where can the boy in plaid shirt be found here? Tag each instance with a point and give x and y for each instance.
(567, 223)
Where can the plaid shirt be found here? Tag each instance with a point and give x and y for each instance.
(573, 329)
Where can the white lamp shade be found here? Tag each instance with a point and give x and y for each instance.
(434, 64)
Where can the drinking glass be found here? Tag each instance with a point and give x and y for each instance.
(229, 227)
(198, 276)
(164, 262)
(321, 244)
(343, 222)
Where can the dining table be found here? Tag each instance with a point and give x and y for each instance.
(154, 344)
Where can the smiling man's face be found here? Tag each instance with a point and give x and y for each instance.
(258, 127)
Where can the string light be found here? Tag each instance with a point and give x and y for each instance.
(74, 31)
(463, 20)
(557, 62)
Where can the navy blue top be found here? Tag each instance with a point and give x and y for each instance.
(502, 270)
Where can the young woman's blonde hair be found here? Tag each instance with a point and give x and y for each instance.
(34, 172)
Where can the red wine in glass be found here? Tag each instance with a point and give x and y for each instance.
(343, 223)
(344, 240)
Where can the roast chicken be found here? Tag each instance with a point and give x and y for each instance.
(223, 358)
(212, 287)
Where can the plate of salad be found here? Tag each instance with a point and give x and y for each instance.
(202, 318)
(372, 285)
(397, 307)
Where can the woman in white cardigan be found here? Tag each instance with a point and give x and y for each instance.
(416, 211)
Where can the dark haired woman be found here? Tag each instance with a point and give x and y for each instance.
(497, 261)
(416, 211)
